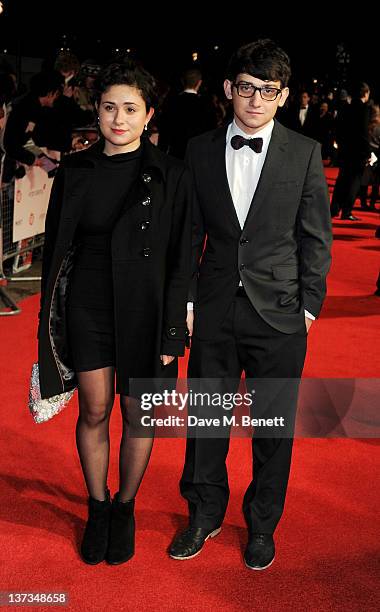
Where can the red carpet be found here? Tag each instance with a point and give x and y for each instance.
(327, 541)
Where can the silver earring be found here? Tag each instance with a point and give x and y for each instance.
(146, 127)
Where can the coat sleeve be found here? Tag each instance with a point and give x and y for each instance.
(178, 271)
(315, 236)
(15, 138)
(198, 232)
(51, 229)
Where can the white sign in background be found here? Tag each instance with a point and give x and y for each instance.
(31, 200)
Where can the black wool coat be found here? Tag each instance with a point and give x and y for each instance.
(150, 268)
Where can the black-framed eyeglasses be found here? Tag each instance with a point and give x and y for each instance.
(248, 90)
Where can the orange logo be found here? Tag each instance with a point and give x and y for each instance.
(31, 218)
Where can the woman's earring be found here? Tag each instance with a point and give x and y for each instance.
(146, 127)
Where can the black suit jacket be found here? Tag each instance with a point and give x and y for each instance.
(183, 117)
(354, 134)
(282, 255)
(310, 125)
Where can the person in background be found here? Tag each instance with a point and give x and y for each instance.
(303, 116)
(371, 175)
(7, 94)
(84, 92)
(68, 65)
(354, 152)
(27, 120)
(325, 131)
(185, 115)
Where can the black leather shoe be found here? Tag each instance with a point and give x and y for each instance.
(95, 538)
(121, 545)
(349, 218)
(260, 551)
(189, 543)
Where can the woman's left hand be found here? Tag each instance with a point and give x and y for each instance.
(166, 359)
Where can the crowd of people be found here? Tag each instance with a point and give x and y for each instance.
(58, 113)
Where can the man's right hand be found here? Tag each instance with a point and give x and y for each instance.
(190, 321)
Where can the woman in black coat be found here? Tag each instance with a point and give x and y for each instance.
(113, 296)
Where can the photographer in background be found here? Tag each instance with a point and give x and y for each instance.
(44, 115)
(68, 113)
(68, 65)
(26, 119)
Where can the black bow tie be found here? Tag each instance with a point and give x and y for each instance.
(256, 144)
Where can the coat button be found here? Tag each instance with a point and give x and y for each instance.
(244, 241)
(146, 201)
(146, 178)
(172, 331)
(242, 267)
(146, 252)
(144, 225)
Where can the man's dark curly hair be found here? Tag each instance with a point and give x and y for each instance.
(127, 73)
(262, 59)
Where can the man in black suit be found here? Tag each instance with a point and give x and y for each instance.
(303, 117)
(354, 152)
(261, 204)
(185, 115)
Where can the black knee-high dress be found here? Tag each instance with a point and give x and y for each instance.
(90, 306)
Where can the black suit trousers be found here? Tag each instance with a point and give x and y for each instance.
(244, 342)
(346, 188)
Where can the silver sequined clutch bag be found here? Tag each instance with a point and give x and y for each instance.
(44, 409)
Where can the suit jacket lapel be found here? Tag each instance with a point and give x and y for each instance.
(274, 160)
(218, 173)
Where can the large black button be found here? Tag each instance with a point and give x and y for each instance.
(244, 241)
(146, 178)
(172, 331)
(144, 225)
(147, 252)
(242, 267)
(146, 201)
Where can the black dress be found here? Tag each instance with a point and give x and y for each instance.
(90, 307)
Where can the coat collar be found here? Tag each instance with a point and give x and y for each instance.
(81, 166)
(153, 160)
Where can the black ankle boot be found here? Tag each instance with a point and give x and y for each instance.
(96, 534)
(121, 546)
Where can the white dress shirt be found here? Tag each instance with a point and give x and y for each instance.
(302, 115)
(244, 168)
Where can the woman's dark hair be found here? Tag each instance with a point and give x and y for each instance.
(262, 59)
(127, 73)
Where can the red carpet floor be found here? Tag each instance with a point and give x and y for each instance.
(327, 542)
